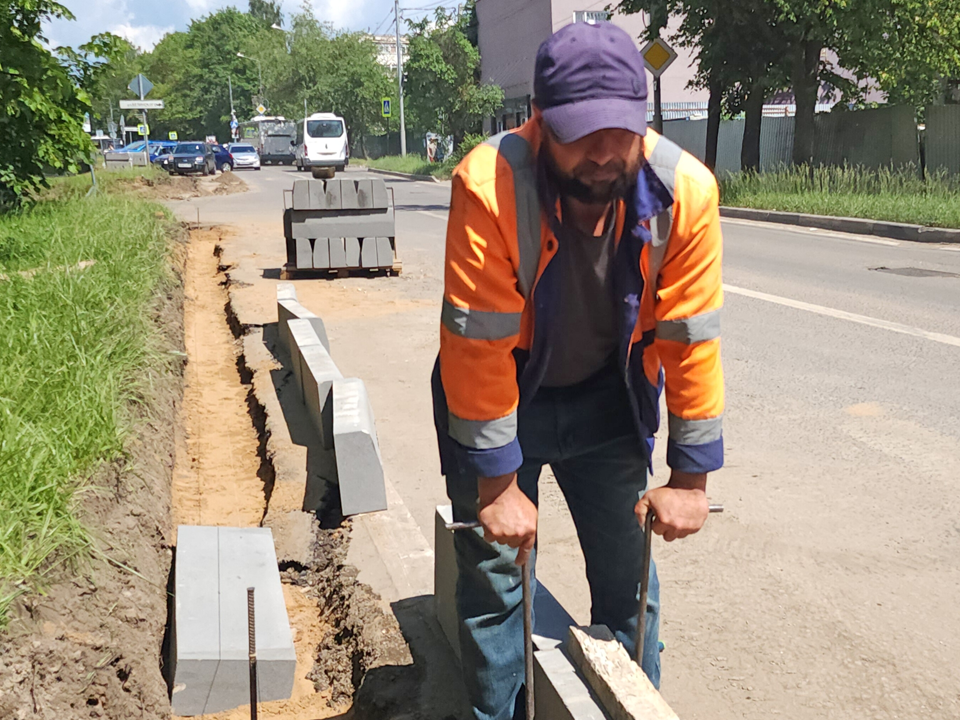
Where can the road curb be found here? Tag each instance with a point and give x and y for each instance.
(408, 176)
(860, 226)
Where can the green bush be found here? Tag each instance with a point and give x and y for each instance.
(469, 142)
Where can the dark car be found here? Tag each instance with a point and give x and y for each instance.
(223, 157)
(163, 156)
(193, 157)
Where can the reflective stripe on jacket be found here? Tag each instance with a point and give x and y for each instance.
(499, 299)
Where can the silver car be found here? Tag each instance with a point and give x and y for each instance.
(244, 156)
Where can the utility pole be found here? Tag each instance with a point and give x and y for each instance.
(146, 128)
(658, 20)
(403, 127)
(233, 115)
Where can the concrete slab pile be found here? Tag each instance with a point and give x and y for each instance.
(209, 635)
(340, 225)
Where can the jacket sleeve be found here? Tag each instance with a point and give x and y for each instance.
(688, 328)
(480, 327)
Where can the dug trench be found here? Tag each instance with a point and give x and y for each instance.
(94, 644)
(352, 659)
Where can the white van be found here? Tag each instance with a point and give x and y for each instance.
(322, 145)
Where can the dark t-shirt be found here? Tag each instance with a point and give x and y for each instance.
(587, 321)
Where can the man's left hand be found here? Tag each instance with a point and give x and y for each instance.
(681, 506)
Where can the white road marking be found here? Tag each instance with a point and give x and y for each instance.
(820, 232)
(843, 315)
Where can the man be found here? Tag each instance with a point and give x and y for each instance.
(582, 279)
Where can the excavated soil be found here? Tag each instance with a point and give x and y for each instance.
(215, 479)
(223, 476)
(90, 646)
(182, 187)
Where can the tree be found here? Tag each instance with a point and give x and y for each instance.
(333, 72)
(103, 67)
(738, 50)
(266, 11)
(442, 87)
(41, 106)
(192, 71)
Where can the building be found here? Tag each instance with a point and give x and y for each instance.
(387, 49)
(510, 33)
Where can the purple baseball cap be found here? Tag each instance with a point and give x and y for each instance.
(590, 77)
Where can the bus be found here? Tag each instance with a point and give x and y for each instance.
(274, 137)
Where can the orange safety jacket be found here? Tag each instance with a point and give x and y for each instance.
(496, 329)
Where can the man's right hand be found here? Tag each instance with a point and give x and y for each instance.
(507, 515)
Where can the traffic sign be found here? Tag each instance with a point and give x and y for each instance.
(140, 85)
(172, 134)
(658, 56)
(142, 129)
(234, 124)
(385, 107)
(261, 109)
(141, 105)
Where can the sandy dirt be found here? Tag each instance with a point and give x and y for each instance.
(223, 476)
(215, 479)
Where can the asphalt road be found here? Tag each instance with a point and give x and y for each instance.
(829, 587)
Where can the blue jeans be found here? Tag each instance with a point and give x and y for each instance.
(586, 434)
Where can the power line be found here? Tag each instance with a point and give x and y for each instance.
(385, 18)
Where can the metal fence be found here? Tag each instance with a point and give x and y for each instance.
(942, 141)
(870, 138)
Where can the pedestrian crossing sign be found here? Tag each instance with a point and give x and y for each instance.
(385, 107)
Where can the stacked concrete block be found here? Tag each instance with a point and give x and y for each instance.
(214, 568)
(289, 308)
(353, 251)
(359, 466)
(340, 224)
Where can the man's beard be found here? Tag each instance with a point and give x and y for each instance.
(604, 191)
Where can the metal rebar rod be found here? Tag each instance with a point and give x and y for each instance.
(528, 640)
(527, 622)
(252, 657)
(645, 580)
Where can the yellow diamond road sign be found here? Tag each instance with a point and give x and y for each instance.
(657, 56)
(261, 109)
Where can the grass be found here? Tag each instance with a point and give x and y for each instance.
(885, 194)
(108, 181)
(413, 165)
(73, 348)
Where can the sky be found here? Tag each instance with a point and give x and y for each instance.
(144, 22)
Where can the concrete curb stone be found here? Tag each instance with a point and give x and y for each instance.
(359, 465)
(859, 226)
(407, 176)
